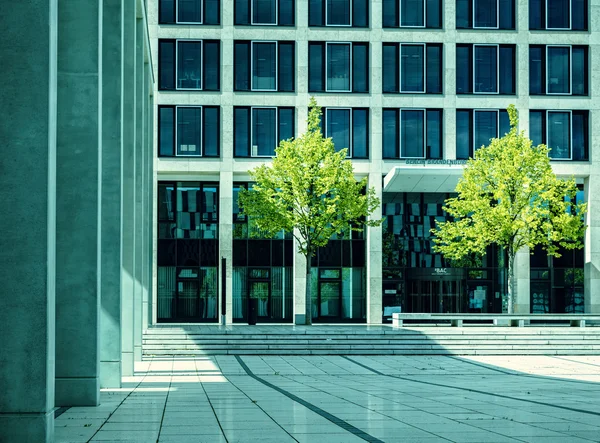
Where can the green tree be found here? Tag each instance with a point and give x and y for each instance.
(509, 195)
(310, 191)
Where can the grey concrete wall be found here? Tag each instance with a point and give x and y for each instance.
(27, 189)
(78, 205)
(592, 245)
(112, 147)
(128, 185)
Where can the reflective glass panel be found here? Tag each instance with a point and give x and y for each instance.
(264, 12)
(412, 13)
(264, 138)
(486, 13)
(412, 68)
(559, 72)
(264, 66)
(338, 128)
(486, 69)
(189, 67)
(189, 128)
(338, 12)
(189, 11)
(338, 67)
(559, 134)
(412, 133)
(558, 14)
(486, 127)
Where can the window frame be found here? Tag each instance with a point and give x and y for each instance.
(561, 111)
(276, 42)
(570, 82)
(400, 156)
(424, 45)
(252, 23)
(570, 17)
(350, 46)
(201, 41)
(475, 110)
(497, 46)
(349, 25)
(414, 27)
(350, 152)
(473, 12)
(276, 129)
(176, 132)
(201, 22)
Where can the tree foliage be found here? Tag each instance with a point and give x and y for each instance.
(509, 195)
(308, 190)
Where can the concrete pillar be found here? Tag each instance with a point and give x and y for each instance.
(112, 147)
(592, 245)
(127, 190)
(27, 244)
(226, 242)
(522, 288)
(78, 178)
(374, 256)
(299, 286)
(147, 183)
(152, 210)
(138, 191)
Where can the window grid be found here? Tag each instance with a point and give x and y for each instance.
(424, 68)
(177, 64)
(547, 117)
(252, 65)
(349, 45)
(424, 111)
(189, 23)
(570, 82)
(475, 65)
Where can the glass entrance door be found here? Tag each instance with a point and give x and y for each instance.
(260, 290)
(187, 299)
(329, 299)
(435, 296)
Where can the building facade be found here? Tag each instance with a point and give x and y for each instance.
(411, 88)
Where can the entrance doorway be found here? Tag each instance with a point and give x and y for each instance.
(437, 290)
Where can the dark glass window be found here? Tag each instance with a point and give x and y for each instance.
(476, 128)
(558, 70)
(338, 67)
(197, 12)
(485, 14)
(348, 128)
(558, 15)
(566, 133)
(412, 68)
(264, 12)
(412, 133)
(353, 13)
(196, 134)
(412, 13)
(258, 130)
(264, 66)
(189, 64)
(485, 69)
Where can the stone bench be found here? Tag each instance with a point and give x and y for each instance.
(510, 319)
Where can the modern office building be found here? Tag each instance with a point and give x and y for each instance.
(411, 88)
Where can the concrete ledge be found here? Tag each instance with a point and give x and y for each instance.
(30, 427)
(576, 320)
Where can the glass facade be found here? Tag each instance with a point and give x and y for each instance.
(187, 252)
(417, 279)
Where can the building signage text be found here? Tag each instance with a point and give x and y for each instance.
(414, 161)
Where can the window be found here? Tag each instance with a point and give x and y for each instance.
(412, 133)
(558, 70)
(338, 67)
(192, 131)
(566, 133)
(264, 66)
(558, 15)
(485, 69)
(196, 12)
(485, 14)
(412, 14)
(189, 64)
(353, 13)
(412, 68)
(265, 12)
(476, 127)
(258, 130)
(349, 129)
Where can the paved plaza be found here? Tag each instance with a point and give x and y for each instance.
(331, 399)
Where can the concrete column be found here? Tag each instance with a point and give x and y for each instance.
(147, 183)
(27, 244)
(299, 286)
(592, 245)
(226, 242)
(138, 191)
(374, 255)
(112, 147)
(152, 210)
(127, 190)
(78, 179)
(522, 288)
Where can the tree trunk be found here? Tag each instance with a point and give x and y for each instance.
(511, 281)
(308, 298)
